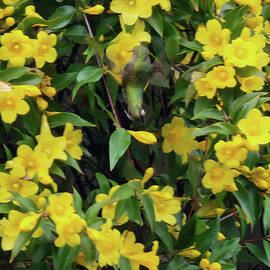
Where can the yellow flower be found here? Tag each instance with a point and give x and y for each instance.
(121, 49)
(177, 138)
(28, 90)
(52, 147)
(60, 206)
(134, 252)
(34, 162)
(255, 127)
(108, 210)
(143, 136)
(165, 205)
(81, 260)
(164, 4)
(41, 103)
(230, 153)
(11, 104)
(12, 182)
(205, 87)
(30, 11)
(9, 2)
(219, 4)
(43, 51)
(95, 10)
(255, 23)
(255, 5)
(222, 76)
(210, 210)
(132, 9)
(250, 84)
(108, 243)
(16, 48)
(221, 236)
(216, 176)
(204, 263)
(73, 139)
(213, 37)
(68, 230)
(215, 266)
(40, 199)
(190, 252)
(240, 53)
(260, 178)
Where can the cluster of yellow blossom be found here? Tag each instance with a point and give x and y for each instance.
(246, 50)
(178, 138)
(6, 21)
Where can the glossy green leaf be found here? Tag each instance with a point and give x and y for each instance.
(77, 203)
(149, 210)
(12, 73)
(266, 214)
(125, 263)
(103, 182)
(162, 231)
(258, 253)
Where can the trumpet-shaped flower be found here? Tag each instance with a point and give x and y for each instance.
(81, 260)
(165, 205)
(250, 84)
(15, 48)
(11, 104)
(230, 153)
(213, 37)
(217, 176)
(108, 243)
(73, 139)
(222, 76)
(132, 9)
(135, 252)
(255, 127)
(12, 182)
(205, 87)
(43, 50)
(60, 206)
(32, 162)
(68, 230)
(178, 138)
(255, 5)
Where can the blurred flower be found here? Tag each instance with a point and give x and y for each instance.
(190, 252)
(95, 10)
(81, 260)
(30, 11)
(255, 5)
(215, 266)
(216, 176)
(15, 48)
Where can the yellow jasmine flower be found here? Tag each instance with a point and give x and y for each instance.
(108, 243)
(177, 138)
(28, 90)
(260, 178)
(27, 160)
(12, 103)
(255, 23)
(240, 53)
(108, 210)
(222, 76)
(210, 210)
(68, 230)
(60, 206)
(9, 2)
(213, 37)
(165, 204)
(42, 48)
(230, 153)
(7, 11)
(221, 236)
(81, 260)
(143, 136)
(12, 182)
(29, 222)
(52, 147)
(219, 4)
(255, 127)
(95, 10)
(164, 4)
(121, 49)
(134, 252)
(204, 263)
(73, 139)
(132, 9)
(190, 252)
(216, 176)
(205, 87)
(40, 199)
(250, 84)
(41, 103)
(215, 266)
(15, 48)
(30, 11)
(255, 5)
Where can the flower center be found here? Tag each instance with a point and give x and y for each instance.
(240, 53)
(222, 75)
(9, 103)
(254, 130)
(217, 174)
(16, 47)
(131, 3)
(30, 164)
(216, 40)
(15, 186)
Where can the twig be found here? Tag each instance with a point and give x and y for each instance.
(229, 216)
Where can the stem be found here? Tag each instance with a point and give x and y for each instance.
(229, 215)
(103, 76)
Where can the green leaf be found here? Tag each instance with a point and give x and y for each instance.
(179, 263)
(219, 128)
(225, 249)
(27, 79)
(266, 246)
(171, 48)
(156, 21)
(77, 203)
(55, 169)
(123, 192)
(193, 45)
(8, 153)
(87, 75)
(103, 182)
(32, 119)
(248, 71)
(62, 81)
(125, 263)
(258, 253)
(93, 210)
(205, 240)
(249, 199)
(27, 204)
(209, 114)
(132, 209)
(266, 214)
(118, 144)
(149, 210)
(12, 73)
(62, 118)
(72, 162)
(162, 231)
(6, 207)
(243, 220)
(187, 233)
(64, 15)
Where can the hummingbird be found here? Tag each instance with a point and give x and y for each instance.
(135, 78)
